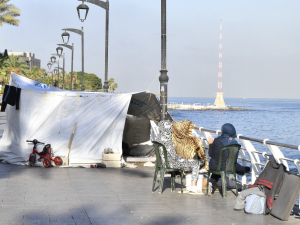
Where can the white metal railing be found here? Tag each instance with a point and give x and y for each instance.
(253, 154)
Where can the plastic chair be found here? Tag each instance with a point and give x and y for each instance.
(233, 152)
(163, 170)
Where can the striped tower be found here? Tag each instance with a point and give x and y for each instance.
(219, 102)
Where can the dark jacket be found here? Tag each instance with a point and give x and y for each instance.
(271, 178)
(11, 96)
(214, 151)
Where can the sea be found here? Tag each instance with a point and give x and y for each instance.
(274, 119)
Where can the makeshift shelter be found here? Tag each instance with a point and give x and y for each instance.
(48, 114)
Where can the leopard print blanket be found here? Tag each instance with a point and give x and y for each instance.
(175, 161)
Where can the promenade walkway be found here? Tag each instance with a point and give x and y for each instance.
(37, 195)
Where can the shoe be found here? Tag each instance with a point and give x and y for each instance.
(210, 189)
(193, 191)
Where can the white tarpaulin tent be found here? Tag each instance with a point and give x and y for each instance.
(48, 114)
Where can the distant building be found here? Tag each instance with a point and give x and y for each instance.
(28, 57)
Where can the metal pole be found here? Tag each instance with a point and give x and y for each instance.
(82, 49)
(64, 73)
(58, 73)
(163, 78)
(52, 78)
(72, 67)
(106, 48)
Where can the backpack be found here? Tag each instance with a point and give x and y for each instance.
(255, 204)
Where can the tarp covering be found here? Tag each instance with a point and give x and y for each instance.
(48, 114)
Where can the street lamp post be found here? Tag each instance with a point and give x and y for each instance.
(53, 60)
(59, 68)
(72, 48)
(163, 78)
(80, 32)
(49, 67)
(55, 71)
(59, 51)
(56, 62)
(104, 5)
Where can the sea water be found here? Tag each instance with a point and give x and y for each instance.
(274, 119)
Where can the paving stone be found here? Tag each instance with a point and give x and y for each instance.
(112, 221)
(82, 222)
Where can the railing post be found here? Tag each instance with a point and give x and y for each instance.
(276, 153)
(254, 158)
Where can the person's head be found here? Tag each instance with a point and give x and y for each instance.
(228, 130)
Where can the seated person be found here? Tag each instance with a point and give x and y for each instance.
(227, 138)
(165, 137)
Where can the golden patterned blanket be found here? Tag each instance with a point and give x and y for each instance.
(185, 144)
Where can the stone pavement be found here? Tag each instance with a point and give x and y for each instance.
(38, 195)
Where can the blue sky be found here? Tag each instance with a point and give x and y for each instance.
(261, 49)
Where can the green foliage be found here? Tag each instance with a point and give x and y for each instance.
(112, 85)
(8, 13)
(91, 82)
(2, 90)
(14, 64)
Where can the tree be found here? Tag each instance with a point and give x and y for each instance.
(91, 82)
(15, 64)
(112, 85)
(8, 13)
(111, 81)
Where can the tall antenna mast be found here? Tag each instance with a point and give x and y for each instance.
(220, 61)
(219, 102)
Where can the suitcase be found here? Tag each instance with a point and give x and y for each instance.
(287, 196)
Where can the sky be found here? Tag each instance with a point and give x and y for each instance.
(261, 47)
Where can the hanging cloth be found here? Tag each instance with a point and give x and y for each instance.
(11, 96)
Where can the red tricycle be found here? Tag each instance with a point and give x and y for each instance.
(46, 154)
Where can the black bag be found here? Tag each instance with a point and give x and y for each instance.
(287, 196)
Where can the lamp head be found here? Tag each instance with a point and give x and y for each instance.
(82, 10)
(65, 37)
(49, 65)
(59, 51)
(53, 59)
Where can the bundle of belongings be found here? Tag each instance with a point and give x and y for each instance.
(136, 137)
(274, 192)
